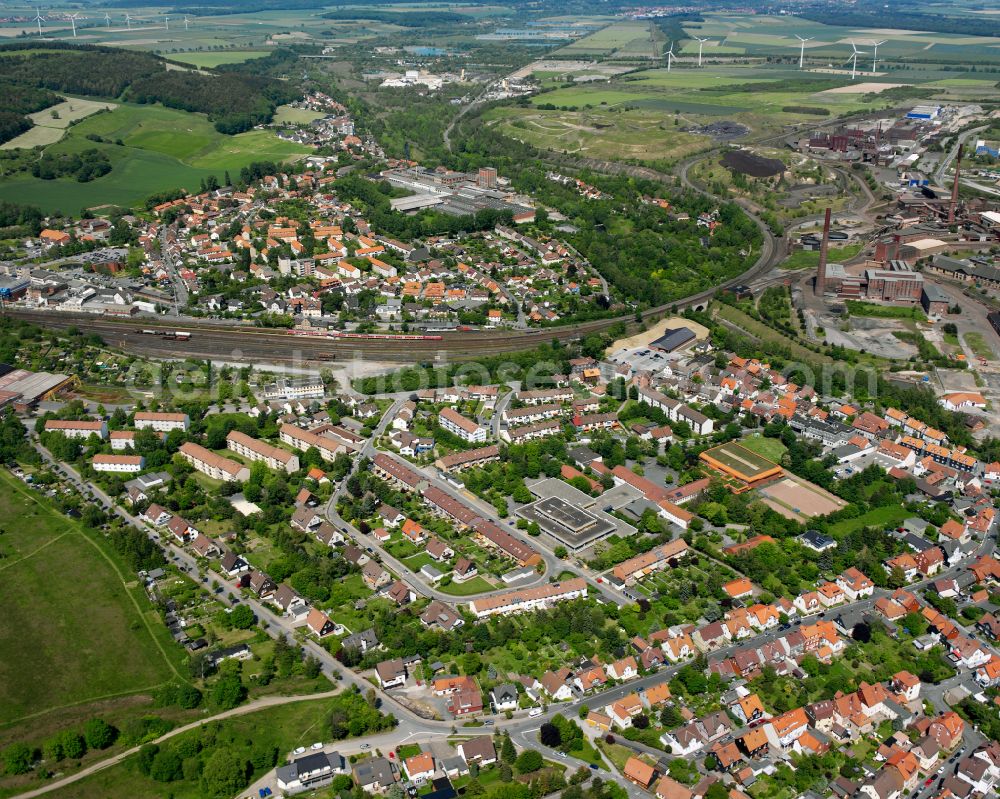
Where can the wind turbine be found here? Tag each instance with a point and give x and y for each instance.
(701, 43)
(166, 22)
(185, 23)
(128, 20)
(802, 48)
(670, 56)
(854, 60)
(39, 19)
(107, 19)
(73, 18)
(875, 56)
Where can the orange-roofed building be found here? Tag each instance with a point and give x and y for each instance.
(738, 588)
(669, 788)
(947, 729)
(639, 772)
(954, 530)
(658, 694)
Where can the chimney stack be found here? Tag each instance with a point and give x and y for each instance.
(954, 188)
(823, 247)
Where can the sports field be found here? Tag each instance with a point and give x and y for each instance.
(161, 149)
(75, 627)
(287, 115)
(740, 462)
(798, 499)
(770, 448)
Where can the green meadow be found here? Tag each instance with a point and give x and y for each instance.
(160, 149)
(214, 59)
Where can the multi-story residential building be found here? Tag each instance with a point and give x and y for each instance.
(529, 598)
(84, 428)
(452, 421)
(161, 422)
(213, 465)
(255, 450)
(121, 464)
(304, 439)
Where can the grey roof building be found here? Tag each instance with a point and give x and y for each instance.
(311, 771)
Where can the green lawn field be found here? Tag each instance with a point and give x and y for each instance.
(72, 631)
(475, 585)
(809, 259)
(879, 517)
(770, 448)
(160, 149)
(214, 59)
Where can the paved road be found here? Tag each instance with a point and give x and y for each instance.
(412, 727)
(939, 174)
(171, 259)
(553, 565)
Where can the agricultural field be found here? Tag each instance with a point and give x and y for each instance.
(771, 35)
(215, 59)
(51, 123)
(77, 627)
(206, 35)
(623, 113)
(160, 149)
(621, 39)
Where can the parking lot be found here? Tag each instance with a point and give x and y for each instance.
(644, 359)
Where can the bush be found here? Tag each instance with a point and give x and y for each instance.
(99, 734)
(18, 759)
(528, 761)
(166, 766)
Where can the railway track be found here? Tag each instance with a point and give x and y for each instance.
(246, 343)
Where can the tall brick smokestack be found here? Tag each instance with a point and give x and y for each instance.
(954, 188)
(823, 247)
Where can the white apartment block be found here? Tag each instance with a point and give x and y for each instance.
(122, 464)
(161, 422)
(452, 421)
(79, 429)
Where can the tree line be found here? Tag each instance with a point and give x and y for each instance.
(234, 99)
(17, 101)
